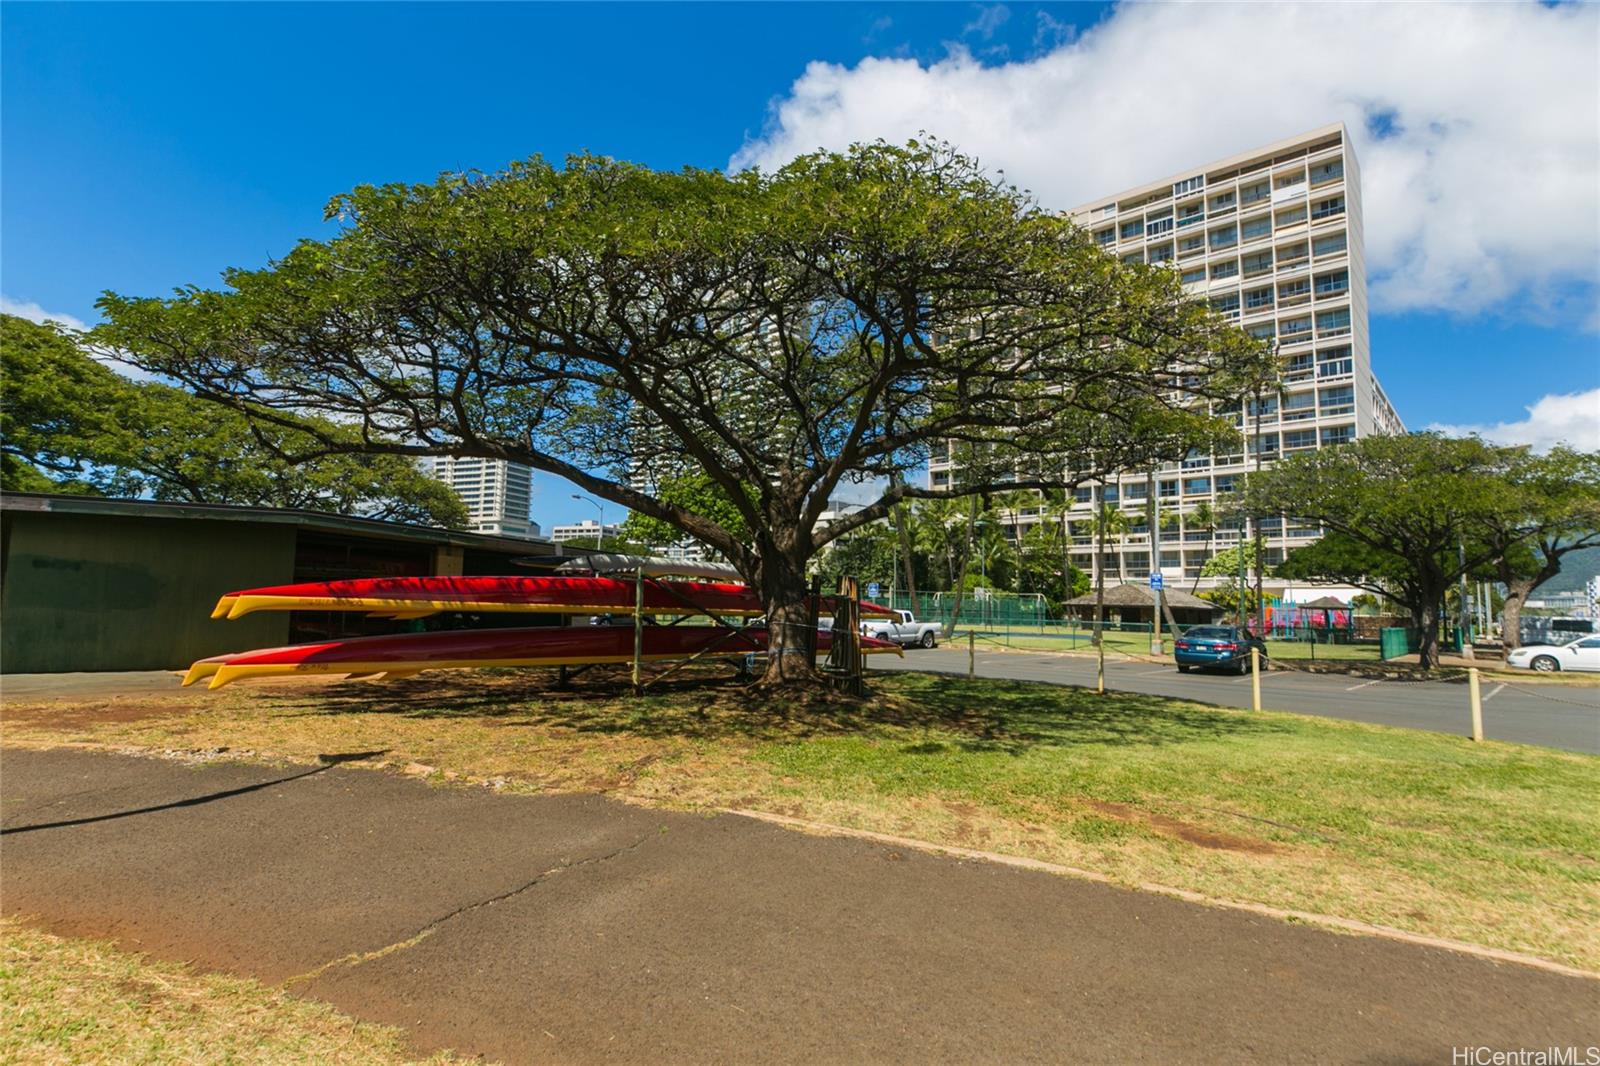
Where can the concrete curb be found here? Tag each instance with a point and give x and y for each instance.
(1329, 921)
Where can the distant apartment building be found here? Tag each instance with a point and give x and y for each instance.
(498, 494)
(1272, 240)
(588, 530)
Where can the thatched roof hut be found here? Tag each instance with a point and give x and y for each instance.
(1133, 603)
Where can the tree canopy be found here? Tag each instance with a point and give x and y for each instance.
(69, 423)
(1406, 515)
(838, 320)
(1558, 513)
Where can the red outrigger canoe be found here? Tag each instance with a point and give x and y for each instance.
(415, 597)
(403, 654)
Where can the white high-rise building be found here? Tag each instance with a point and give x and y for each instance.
(588, 529)
(498, 493)
(1272, 239)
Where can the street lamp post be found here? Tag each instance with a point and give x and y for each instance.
(599, 540)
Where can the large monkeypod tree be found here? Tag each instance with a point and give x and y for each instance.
(1558, 513)
(780, 334)
(1405, 514)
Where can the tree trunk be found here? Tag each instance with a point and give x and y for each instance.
(1517, 593)
(1100, 576)
(1428, 638)
(904, 532)
(785, 595)
(966, 558)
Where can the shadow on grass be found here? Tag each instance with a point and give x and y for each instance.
(982, 715)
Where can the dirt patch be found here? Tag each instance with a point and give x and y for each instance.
(80, 715)
(1188, 833)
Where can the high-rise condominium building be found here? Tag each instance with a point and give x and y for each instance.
(1272, 239)
(497, 493)
(588, 529)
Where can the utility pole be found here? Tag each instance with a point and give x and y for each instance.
(1465, 606)
(1152, 515)
(1255, 524)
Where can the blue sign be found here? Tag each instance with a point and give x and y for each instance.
(1155, 579)
(873, 590)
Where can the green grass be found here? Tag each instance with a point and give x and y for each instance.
(65, 1001)
(1492, 843)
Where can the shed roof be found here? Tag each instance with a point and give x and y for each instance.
(318, 520)
(1129, 594)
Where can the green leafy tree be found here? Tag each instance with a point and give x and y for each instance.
(1108, 522)
(868, 554)
(1399, 511)
(692, 491)
(1557, 513)
(826, 323)
(68, 423)
(993, 557)
(1039, 567)
(1226, 564)
(1203, 517)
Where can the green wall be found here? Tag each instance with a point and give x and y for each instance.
(100, 592)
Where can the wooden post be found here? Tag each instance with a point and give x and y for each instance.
(638, 627)
(1477, 703)
(812, 614)
(1255, 677)
(846, 657)
(972, 656)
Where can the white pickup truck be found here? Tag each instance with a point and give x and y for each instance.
(904, 630)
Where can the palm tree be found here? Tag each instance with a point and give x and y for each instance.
(1204, 516)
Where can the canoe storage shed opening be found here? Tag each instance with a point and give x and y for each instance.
(95, 584)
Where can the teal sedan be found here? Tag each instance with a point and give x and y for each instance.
(1222, 647)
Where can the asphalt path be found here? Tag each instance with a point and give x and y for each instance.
(579, 929)
(1555, 715)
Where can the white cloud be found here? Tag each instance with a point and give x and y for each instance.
(1573, 418)
(989, 20)
(34, 313)
(1479, 195)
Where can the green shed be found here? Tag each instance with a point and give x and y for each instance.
(91, 584)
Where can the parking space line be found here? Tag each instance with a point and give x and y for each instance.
(1492, 694)
(1353, 688)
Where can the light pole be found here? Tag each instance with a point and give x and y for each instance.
(599, 540)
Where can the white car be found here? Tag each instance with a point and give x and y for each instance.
(1580, 654)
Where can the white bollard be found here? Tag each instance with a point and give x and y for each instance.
(1255, 677)
(1477, 703)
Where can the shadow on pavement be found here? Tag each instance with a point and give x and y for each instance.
(327, 761)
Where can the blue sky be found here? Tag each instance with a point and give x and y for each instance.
(146, 147)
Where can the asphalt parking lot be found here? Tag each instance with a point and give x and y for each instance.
(1554, 715)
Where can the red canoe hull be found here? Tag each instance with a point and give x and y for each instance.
(408, 653)
(417, 596)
